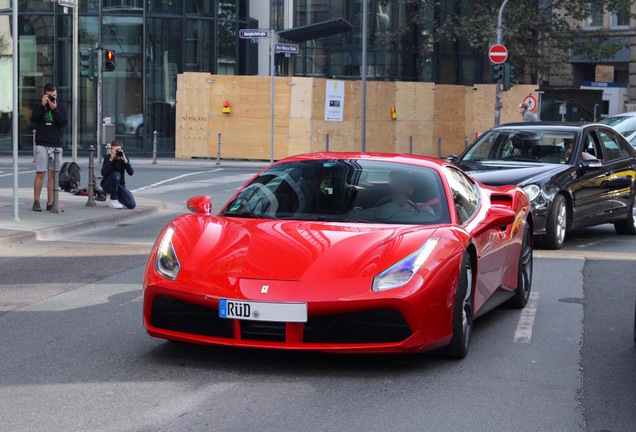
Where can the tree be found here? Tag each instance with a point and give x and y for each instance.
(539, 34)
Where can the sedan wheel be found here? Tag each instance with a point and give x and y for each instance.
(628, 225)
(524, 278)
(462, 312)
(557, 223)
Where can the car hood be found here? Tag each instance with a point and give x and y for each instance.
(498, 173)
(291, 250)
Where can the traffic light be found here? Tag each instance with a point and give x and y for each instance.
(496, 72)
(109, 60)
(87, 63)
(507, 76)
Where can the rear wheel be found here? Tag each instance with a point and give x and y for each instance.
(628, 225)
(557, 223)
(462, 312)
(524, 278)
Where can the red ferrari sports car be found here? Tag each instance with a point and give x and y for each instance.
(342, 252)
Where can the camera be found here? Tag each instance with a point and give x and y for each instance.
(52, 99)
(119, 153)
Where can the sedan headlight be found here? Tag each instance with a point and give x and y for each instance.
(532, 191)
(166, 261)
(402, 272)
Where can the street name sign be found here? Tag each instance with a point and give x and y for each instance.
(253, 33)
(286, 48)
(498, 54)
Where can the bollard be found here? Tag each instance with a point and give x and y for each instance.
(154, 148)
(91, 177)
(439, 147)
(33, 145)
(410, 144)
(56, 184)
(327, 142)
(465, 142)
(218, 150)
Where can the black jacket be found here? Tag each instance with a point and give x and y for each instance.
(48, 124)
(117, 165)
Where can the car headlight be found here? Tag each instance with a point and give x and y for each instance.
(402, 272)
(532, 191)
(166, 261)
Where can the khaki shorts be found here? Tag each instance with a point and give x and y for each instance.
(45, 158)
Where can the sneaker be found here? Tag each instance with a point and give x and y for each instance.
(115, 204)
(36, 206)
(49, 206)
(108, 199)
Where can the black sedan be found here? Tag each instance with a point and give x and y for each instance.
(576, 175)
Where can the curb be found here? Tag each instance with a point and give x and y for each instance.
(77, 227)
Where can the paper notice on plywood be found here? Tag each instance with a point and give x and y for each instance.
(334, 100)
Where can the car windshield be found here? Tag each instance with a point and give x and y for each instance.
(344, 190)
(540, 146)
(624, 124)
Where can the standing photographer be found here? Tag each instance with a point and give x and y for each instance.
(48, 117)
(113, 181)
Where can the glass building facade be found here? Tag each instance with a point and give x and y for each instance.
(154, 40)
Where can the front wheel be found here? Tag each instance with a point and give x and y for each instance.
(628, 225)
(462, 312)
(557, 223)
(524, 277)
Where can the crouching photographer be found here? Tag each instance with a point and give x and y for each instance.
(113, 178)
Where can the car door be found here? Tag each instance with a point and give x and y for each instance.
(588, 184)
(619, 161)
(490, 244)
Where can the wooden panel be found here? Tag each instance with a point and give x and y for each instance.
(449, 119)
(511, 100)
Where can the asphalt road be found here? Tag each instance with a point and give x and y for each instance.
(74, 355)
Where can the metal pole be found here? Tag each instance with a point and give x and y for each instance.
(33, 145)
(154, 148)
(439, 147)
(271, 72)
(91, 177)
(465, 142)
(327, 142)
(99, 103)
(56, 183)
(75, 83)
(16, 108)
(498, 89)
(218, 150)
(410, 144)
(363, 137)
(99, 79)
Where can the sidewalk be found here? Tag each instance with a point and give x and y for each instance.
(76, 216)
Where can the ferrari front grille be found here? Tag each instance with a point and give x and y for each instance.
(373, 326)
(176, 315)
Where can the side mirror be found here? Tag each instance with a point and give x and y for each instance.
(587, 165)
(200, 205)
(499, 217)
(451, 158)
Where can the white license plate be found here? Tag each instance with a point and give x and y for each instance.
(263, 311)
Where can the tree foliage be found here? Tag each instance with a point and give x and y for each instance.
(539, 34)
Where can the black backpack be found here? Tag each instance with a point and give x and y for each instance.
(70, 176)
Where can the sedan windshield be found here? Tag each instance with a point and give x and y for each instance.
(344, 190)
(541, 146)
(625, 124)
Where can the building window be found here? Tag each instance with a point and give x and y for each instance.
(620, 19)
(595, 20)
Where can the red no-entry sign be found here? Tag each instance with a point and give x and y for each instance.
(498, 54)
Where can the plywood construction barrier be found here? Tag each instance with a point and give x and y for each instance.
(397, 112)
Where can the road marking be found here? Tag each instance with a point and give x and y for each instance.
(523, 334)
(20, 172)
(174, 178)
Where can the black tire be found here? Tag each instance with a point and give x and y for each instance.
(462, 312)
(557, 224)
(524, 278)
(627, 226)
